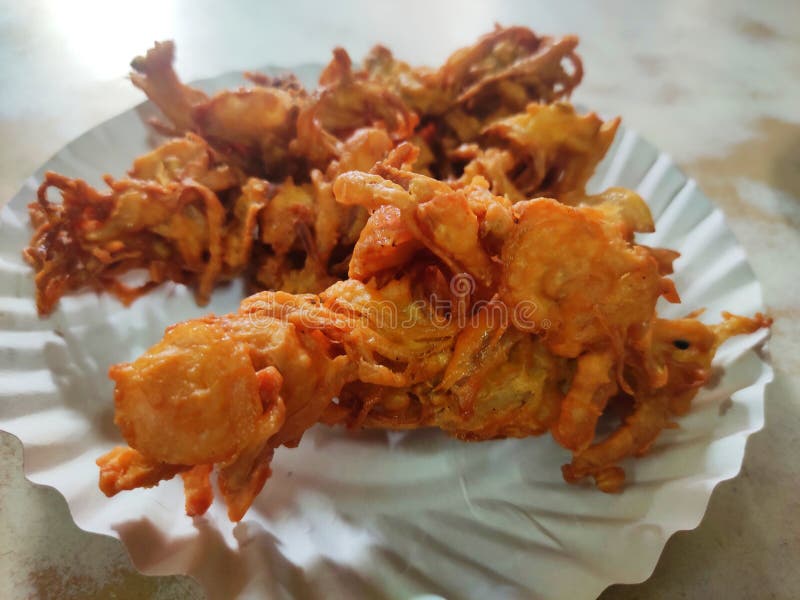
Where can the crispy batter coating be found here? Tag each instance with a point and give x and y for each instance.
(464, 311)
(278, 128)
(554, 149)
(440, 262)
(154, 75)
(91, 238)
(182, 216)
(498, 76)
(247, 189)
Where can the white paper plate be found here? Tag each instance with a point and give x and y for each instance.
(378, 514)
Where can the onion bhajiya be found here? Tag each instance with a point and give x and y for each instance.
(247, 189)
(463, 311)
(438, 259)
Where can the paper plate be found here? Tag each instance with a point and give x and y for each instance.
(379, 514)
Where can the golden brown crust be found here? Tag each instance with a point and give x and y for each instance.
(249, 185)
(463, 312)
(488, 294)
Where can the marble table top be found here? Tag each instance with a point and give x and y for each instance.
(714, 83)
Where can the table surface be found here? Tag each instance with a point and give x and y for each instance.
(716, 84)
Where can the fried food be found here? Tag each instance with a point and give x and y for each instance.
(499, 75)
(276, 129)
(439, 260)
(463, 311)
(553, 150)
(182, 215)
(247, 189)
(91, 238)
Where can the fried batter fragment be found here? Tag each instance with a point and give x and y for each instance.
(555, 150)
(154, 75)
(658, 395)
(184, 216)
(486, 320)
(498, 76)
(344, 103)
(276, 129)
(174, 231)
(126, 469)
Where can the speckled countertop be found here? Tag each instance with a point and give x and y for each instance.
(716, 84)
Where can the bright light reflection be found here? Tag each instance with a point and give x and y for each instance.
(103, 36)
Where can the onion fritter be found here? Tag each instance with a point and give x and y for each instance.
(248, 187)
(486, 319)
